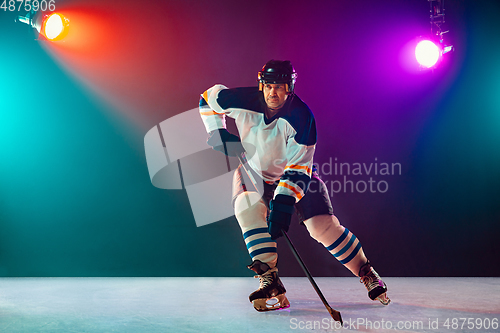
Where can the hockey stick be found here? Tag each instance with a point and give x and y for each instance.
(334, 313)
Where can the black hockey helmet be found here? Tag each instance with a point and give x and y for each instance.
(278, 71)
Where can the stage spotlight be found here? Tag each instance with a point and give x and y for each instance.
(427, 53)
(53, 26)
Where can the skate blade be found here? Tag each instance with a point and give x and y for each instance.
(270, 304)
(383, 299)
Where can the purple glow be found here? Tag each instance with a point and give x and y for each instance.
(427, 53)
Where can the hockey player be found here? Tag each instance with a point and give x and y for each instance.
(278, 132)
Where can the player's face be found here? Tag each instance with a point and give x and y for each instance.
(275, 95)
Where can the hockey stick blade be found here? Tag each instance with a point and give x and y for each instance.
(334, 313)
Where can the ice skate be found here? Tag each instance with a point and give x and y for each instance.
(271, 292)
(377, 290)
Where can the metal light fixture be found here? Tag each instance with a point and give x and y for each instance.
(429, 51)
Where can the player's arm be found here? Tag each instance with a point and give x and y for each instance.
(291, 188)
(295, 180)
(298, 170)
(213, 117)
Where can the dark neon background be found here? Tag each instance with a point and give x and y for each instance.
(75, 194)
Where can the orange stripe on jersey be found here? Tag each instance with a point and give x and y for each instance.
(208, 113)
(205, 96)
(290, 187)
(299, 167)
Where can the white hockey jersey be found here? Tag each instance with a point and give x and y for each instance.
(280, 148)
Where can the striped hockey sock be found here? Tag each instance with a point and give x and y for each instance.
(253, 224)
(260, 245)
(341, 243)
(345, 248)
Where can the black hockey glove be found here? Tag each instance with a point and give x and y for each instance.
(225, 142)
(282, 208)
